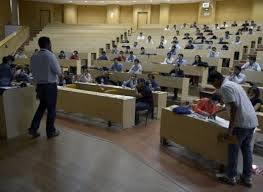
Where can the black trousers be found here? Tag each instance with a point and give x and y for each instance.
(47, 94)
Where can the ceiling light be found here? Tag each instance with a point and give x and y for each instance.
(70, 1)
(134, 1)
(86, 1)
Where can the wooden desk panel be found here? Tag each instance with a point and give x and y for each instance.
(159, 98)
(98, 105)
(17, 108)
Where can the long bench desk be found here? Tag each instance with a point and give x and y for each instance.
(99, 105)
(17, 108)
(165, 81)
(64, 63)
(197, 135)
(159, 98)
(161, 68)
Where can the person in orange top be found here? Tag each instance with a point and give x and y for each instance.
(208, 107)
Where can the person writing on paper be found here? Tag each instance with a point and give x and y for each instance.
(136, 68)
(251, 65)
(85, 77)
(116, 67)
(6, 74)
(253, 94)
(237, 76)
(208, 107)
(131, 83)
(243, 121)
(169, 59)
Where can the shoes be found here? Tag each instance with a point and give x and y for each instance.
(53, 134)
(33, 133)
(225, 179)
(246, 182)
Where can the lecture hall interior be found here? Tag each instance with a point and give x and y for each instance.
(135, 95)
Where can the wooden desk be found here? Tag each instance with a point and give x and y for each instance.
(17, 108)
(197, 135)
(64, 63)
(165, 81)
(100, 105)
(159, 98)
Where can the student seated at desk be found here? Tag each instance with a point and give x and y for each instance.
(131, 57)
(213, 53)
(6, 75)
(131, 83)
(186, 36)
(258, 28)
(173, 50)
(23, 75)
(62, 55)
(143, 51)
(201, 37)
(239, 32)
(135, 44)
(189, 45)
(227, 35)
(127, 50)
(225, 48)
(174, 28)
(237, 76)
(207, 107)
(167, 28)
(141, 36)
(198, 62)
(103, 56)
(125, 39)
(250, 32)
(180, 60)
(216, 27)
(237, 41)
(145, 100)
(104, 79)
(152, 83)
(114, 50)
(213, 37)
(75, 55)
(121, 57)
(85, 77)
(253, 94)
(234, 24)
(20, 54)
(169, 59)
(149, 40)
(136, 68)
(163, 40)
(221, 41)
(116, 67)
(251, 65)
(68, 77)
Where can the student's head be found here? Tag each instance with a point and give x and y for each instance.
(177, 32)
(224, 23)
(149, 37)
(190, 42)
(162, 38)
(5, 60)
(216, 98)
(142, 49)
(121, 52)
(216, 79)
(250, 31)
(180, 56)
(252, 59)
(237, 38)
(141, 34)
(237, 70)
(224, 47)
(103, 53)
(133, 76)
(216, 25)
(44, 43)
(136, 61)
(131, 52)
(198, 58)
(62, 52)
(253, 92)
(252, 22)
(214, 49)
(76, 52)
(175, 38)
(258, 28)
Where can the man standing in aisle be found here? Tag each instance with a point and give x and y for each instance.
(45, 70)
(243, 121)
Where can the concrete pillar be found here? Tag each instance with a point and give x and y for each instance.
(207, 16)
(14, 4)
(113, 14)
(70, 14)
(164, 14)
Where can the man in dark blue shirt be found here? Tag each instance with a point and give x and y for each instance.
(144, 100)
(103, 56)
(6, 75)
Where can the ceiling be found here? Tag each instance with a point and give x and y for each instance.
(121, 2)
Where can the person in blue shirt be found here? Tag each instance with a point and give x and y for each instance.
(103, 56)
(131, 83)
(131, 57)
(144, 100)
(116, 67)
(152, 83)
(6, 75)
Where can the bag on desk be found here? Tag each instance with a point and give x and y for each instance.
(182, 110)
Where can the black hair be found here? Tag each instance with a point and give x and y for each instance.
(214, 76)
(199, 58)
(44, 42)
(136, 60)
(255, 90)
(5, 60)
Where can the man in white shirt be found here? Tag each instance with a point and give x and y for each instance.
(136, 68)
(251, 65)
(237, 76)
(237, 41)
(45, 70)
(141, 36)
(163, 40)
(149, 40)
(169, 59)
(213, 53)
(20, 54)
(243, 121)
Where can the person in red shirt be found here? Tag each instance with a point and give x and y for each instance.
(121, 57)
(75, 55)
(207, 106)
